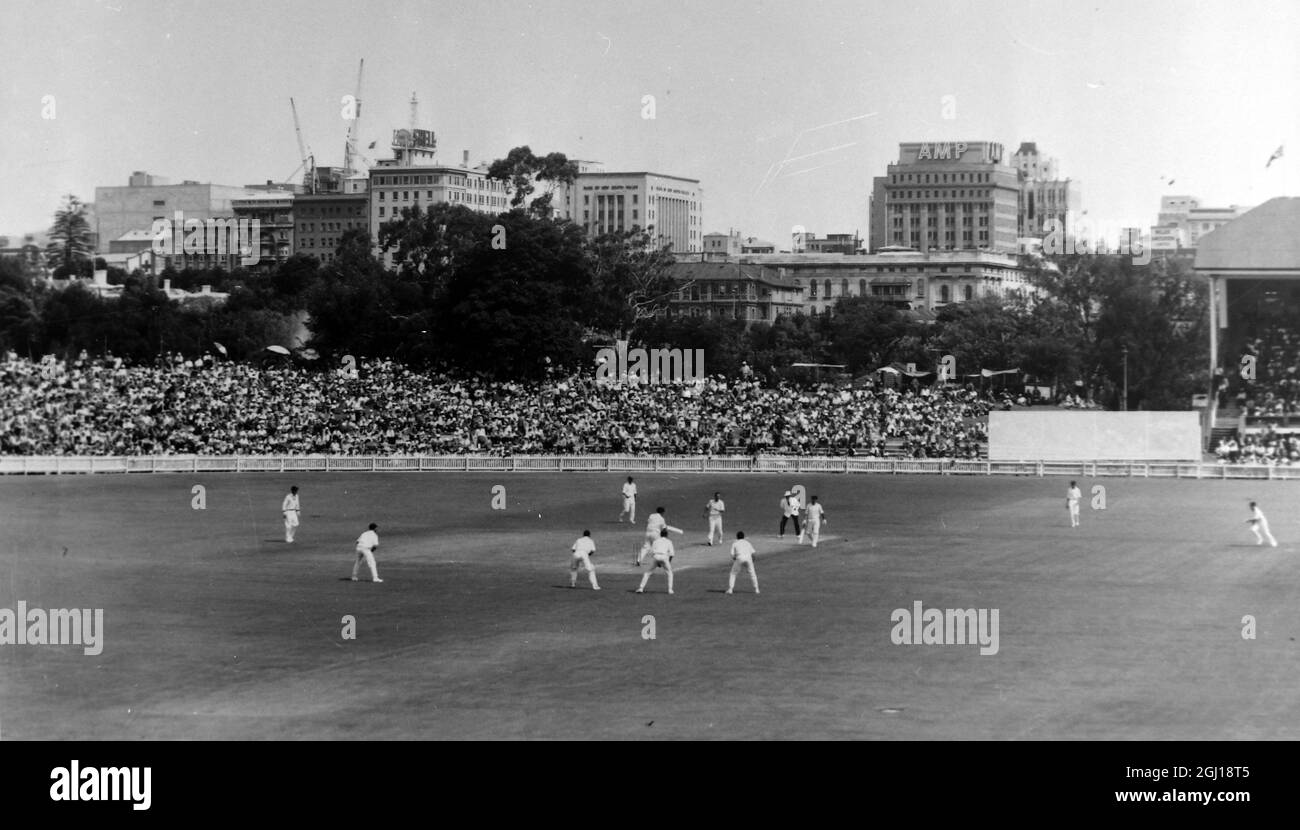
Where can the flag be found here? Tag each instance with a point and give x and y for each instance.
(1277, 154)
(372, 145)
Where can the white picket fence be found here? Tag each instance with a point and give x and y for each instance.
(69, 464)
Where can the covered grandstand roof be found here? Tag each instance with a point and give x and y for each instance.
(1264, 239)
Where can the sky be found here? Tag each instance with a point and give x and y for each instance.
(783, 110)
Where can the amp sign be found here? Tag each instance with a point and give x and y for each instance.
(954, 150)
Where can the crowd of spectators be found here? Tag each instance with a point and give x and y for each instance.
(1265, 447)
(1264, 386)
(1267, 381)
(215, 407)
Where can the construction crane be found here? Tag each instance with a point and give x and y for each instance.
(350, 152)
(308, 160)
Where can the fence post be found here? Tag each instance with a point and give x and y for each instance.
(1040, 469)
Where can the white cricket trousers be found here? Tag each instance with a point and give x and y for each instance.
(1262, 532)
(736, 567)
(367, 557)
(715, 523)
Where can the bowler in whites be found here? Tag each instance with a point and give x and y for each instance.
(367, 543)
(629, 502)
(714, 510)
(742, 556)
(290, 508)
(1072, 497)
(1259, 526)
(816, 515)
(582, 551)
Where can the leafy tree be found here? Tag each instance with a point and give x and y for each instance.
(520, 169)
(428, 246)
(865, 332)
(724, 341)
(984, 333)
(506, 310)
(792, 338)
(69, 248)
(631, 280)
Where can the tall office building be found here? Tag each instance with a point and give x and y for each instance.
(1182, 222)
(134, 207)
(671, 207)
(1044, 196)
(946, 196)
(414, 178)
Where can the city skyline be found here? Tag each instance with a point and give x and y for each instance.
(783, 113)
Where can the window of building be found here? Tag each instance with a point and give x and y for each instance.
(968, 291)
(944, 295)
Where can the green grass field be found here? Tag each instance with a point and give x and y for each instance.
(1129, 627)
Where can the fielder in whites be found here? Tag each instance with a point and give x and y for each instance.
(663, 558)
(290, 508)
(742, 557)
(1259, 526)
(366, 544)
(1072, 497)
(582, 551)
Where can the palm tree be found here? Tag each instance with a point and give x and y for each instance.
(69, 236)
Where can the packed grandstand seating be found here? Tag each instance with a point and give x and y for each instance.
(215, 407)
(1265, 446)
(1262, 388)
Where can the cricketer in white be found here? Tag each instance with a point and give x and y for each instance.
(56, 627)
